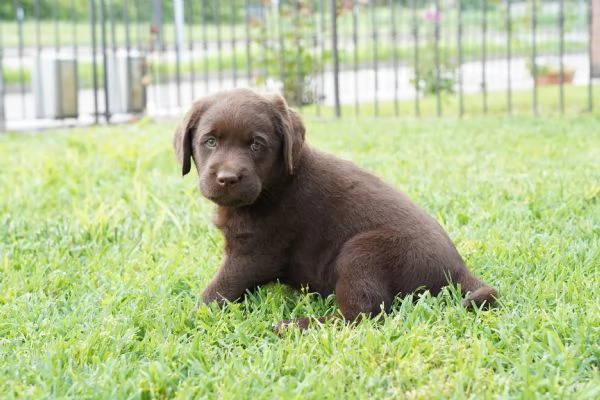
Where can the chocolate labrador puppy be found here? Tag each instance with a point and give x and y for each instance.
(292, 213)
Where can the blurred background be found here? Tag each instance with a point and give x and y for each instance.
(77, 62)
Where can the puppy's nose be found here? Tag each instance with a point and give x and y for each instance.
(227, 178)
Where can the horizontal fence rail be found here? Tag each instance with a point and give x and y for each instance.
(68, 62)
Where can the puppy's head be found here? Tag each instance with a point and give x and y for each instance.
(241, 142)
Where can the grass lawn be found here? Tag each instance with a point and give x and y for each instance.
(576, 102)
(104, 250)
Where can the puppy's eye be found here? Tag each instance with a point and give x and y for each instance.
(256, 146)
(211, 142)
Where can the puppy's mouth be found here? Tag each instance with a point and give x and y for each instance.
(226, 201)
(237, 196)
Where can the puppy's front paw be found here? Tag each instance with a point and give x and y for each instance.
(211, 295)
(300, 323)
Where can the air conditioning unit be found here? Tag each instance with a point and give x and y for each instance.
(55, 86)
(127, 92)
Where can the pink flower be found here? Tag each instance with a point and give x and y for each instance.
(432, 15)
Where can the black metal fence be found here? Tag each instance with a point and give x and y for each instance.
(76, 62)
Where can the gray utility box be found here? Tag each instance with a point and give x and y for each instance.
(55, 86)
(127, 92)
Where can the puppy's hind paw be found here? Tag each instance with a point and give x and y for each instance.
(485, 297)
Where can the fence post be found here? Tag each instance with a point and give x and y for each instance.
(595, 39)
(2, 116)
(336, 61)
(103, 23)
(92, 12)
(157, 20)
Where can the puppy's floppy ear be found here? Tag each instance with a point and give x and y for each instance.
(292, 129)
(182, 139)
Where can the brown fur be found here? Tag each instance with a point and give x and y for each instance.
(292, 213)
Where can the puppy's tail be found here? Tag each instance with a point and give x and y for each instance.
(478, 293)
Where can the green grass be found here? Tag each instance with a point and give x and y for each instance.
(104, 250)
(576, 101)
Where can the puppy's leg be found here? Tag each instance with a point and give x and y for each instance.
(224, 287)
(362, 288)
(363, 285)
(361, 297)
(236, 275)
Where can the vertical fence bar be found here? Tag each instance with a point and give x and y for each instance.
(150, 15)
(191, 50)
(203, 11)
(56, 15)
(125, 13)
(178, 18)
(415, 32)
(217, 22)
(104, 59)
(233, 23)
(534, 55)
(56, 10)
(318, 88)
(2, 112)
(155, 21)
(248, 43)
(394, 36)
(113, 32)
(336, 61)
(484, 54)
(138, 24)
(444, 14)
(590, 20)
(113, 40)
(281, 36)
(322, 43)
(355, 5)
(38, 44)
(375, 38)
(508, 58)
(74, 28)
(36, 14)
(561, 26)
(75, 44)
(92, 12)
(163, 67)
(137, 17)
(19, 20)
(264, 42)
(436, 31)
(299, 70)
(459, 34)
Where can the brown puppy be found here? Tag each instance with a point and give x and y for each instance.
(306, 218)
